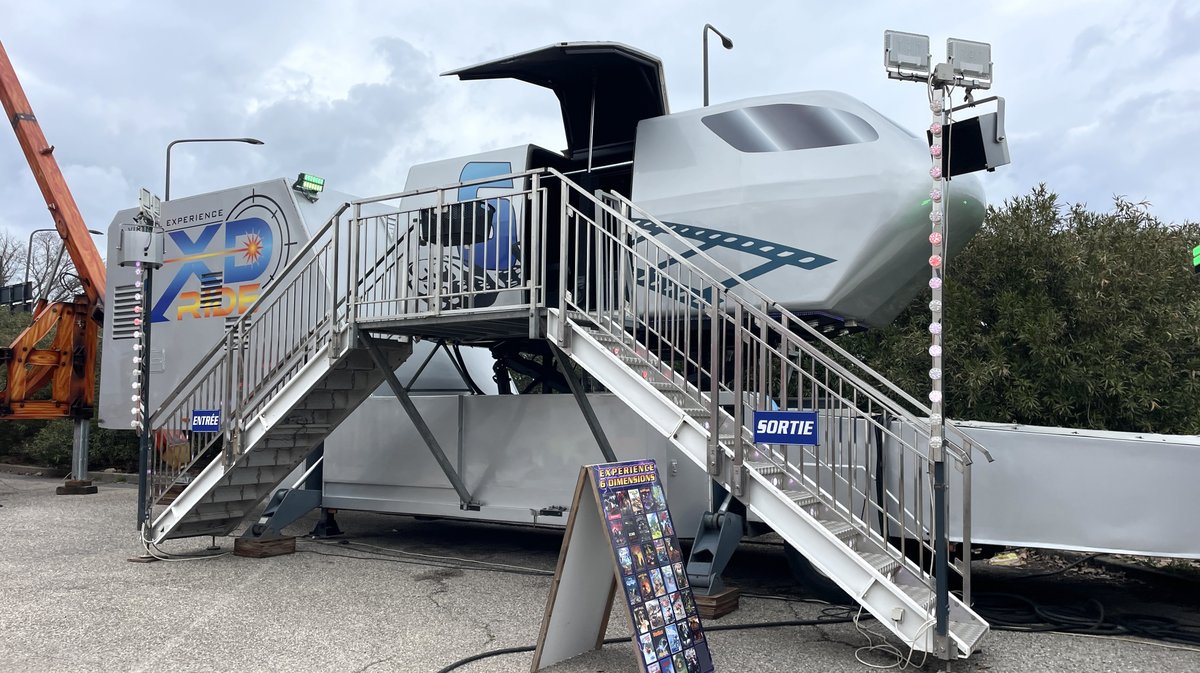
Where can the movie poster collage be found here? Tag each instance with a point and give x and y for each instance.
(666, 624)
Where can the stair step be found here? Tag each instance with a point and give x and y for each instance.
(802, 498)
(884, 563)
(765, 468)
(840, 529)
(696, 412)
(922, 595)
(970, 633)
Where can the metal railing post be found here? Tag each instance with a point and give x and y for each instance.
(334, 263)
(716, 329)
(355, 251)
(562, 263)
(737, 474)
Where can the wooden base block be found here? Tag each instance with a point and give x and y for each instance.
(264, 547)
(76, 487)
(719, 604)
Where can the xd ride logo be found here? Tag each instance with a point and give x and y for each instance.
(230, 255)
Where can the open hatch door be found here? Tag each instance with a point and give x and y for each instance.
(604, 89)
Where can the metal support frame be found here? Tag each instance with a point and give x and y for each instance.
(466, 501)
(287, 505)
(585, 405)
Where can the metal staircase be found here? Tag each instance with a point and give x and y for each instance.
(682, 340)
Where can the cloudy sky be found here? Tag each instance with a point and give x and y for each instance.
(1102, 95)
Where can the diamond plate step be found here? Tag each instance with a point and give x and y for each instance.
(884, 563)
(922, 595)
(840, 529)
(765, 468)
(802, 498)
(969, 633)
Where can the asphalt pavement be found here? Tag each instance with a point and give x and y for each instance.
(71, 601)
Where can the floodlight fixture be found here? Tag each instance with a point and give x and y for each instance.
(971, 62)
(906, 55)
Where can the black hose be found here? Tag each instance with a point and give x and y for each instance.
(612, 641)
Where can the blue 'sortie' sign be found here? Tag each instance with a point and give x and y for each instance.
(785, 427)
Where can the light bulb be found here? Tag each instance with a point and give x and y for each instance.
(935, 373)
(936, 105)
(136, 360)
(935, 305)
(137, 284)
(936, 195)
(136, 398)
(935, 442)
(935, 238)
(137, 308)
(935, 215)
(935, 150)
(134, 411)
(935, 261)
(935, 129)
(935, 328)
(136, 385)
(935, 351)
(935, 396)
(137, 265)
(935, 419)
(137, 297)
(936, 172)
(137, 347)
(935, 282)
(135, 424)
(137, 322)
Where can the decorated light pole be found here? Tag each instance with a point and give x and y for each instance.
(969, 66)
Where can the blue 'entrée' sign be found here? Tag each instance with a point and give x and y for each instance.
(785, 427)
(206, 421)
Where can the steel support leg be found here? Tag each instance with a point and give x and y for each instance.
(287, 505)
(585, 405)
(79, 484)
(415, 416)
(717, 538)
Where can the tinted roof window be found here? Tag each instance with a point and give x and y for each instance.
(788, 126)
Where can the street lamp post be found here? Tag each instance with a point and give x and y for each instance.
(173, 143)
(725, 42)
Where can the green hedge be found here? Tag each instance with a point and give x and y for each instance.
(1061, 316)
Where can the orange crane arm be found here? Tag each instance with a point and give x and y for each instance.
(68, 365)
(40, 156)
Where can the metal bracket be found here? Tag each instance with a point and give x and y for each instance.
(23, 117)
(466, 501)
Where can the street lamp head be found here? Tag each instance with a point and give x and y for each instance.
(95, 232)
(726, 42)
(252, 141)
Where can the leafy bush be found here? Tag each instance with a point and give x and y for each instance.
(1064, 317)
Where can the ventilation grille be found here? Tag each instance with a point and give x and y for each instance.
(122, 312)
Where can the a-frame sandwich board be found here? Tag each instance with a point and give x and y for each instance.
(620, 534)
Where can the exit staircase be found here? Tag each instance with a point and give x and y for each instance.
(680, 339)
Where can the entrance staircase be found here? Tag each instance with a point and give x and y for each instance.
(679, 338)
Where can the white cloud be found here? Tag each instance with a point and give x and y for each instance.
(1100, 94)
